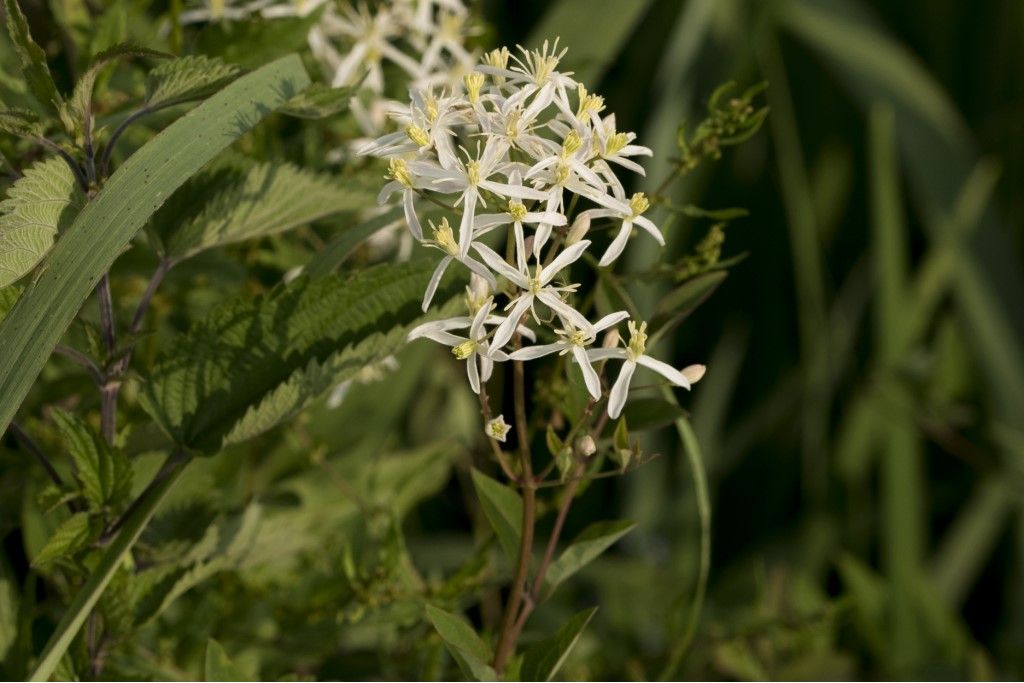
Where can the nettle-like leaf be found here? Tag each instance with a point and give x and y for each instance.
(254, 363)
(467, 648)
(73, 534)
(319, 101)
(39, 204)
(187, 78)
(32, 58)
(219, 667)
(104, 472)
(21, 122)
(504, 510)
(239, 199)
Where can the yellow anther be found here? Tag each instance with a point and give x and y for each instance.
(444, 237)
(399, 170)
(465, 349)
(517, 210)
(418, 135)
(473, 171)
(589, 104)
(571, 143)
(561, 173)
(637, 340)
(474, 82)
(615, 143)
(639, 203)
(432, 111)
(497, 58)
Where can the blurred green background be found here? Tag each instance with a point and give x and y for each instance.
(862, 419)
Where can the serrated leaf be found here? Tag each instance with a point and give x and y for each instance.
(108, 223)
(21, 122)
(470, 652)
(252, 363)
(319, 101)
(32, 58)
(240, 199)
(219, 666)
(186, 79)
(585, 548)
(73, 534)
(542, 661)
(104, 472)
(75, 113)
(504, 510)
(38, 205)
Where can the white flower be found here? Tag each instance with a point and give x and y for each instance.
(444, 239)
(516, 214)
(574, 341)
(497, 428)
(402, 181)
(633, 355)
(536, 287)
(473, 349)
(631, 214)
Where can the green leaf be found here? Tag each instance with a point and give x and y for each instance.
(8, 609)
(187, 78)
(345, 242)
(239, 199)
(644, 414)
(8, 297)
(76, 112)
(254, 363)
(219, 667)
(504, 510)
(319, 101)
(134, 522)
(471, 653)
(21, 122)
(108, 223)
(32, 58)
(677, 305)
(542, 661)
(104, 472)
(40, 204)
(254, 41)
(73, 534)
(585, 548)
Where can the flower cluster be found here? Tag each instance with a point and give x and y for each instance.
(522, 146)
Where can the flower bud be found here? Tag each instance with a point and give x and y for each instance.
(694, 373)
(578, 230)
(585, 446)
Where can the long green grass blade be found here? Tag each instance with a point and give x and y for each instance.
(108, 223)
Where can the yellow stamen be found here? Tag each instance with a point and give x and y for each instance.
(615, 143)
(418, 135)
(517, 210)
(474, 82)
(465, 349)
(444, 237)
(637, 340)
(399, 170)
(639, 203)
(473, 171)
(571, 143)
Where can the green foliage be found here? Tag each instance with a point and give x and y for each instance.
(585, 548)
(319, 101)
(21, 122)
(542, 661)
(31, 57)
(43, 202)
(185, 79)
(99, 232)
(219, 666)
(73, 535)
(465, 646)
(103, 471)
(239, 199)
(504, 511)
(253, 364)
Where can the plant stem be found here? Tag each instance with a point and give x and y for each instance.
(29, 444)
(507, 639)
(115, 136)
(82, 360)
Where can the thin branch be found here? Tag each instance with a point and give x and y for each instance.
(499, 455)
(109, 389)
(507, 639)
(108, 149)
(83, 182)
(84, 361)
(171, 465)
(29, 444)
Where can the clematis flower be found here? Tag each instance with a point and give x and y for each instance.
(444, 239)
(633, 355)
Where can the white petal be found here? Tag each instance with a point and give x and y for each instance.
(665, 370)
(500, 266)
(476, 330)
(567, 256)
(618, 244)
(565, 311)
(550, 217)
(473, 374)
(651, 228)
(481, 270)
(535, 351)
(618, 353)
(435, 280)
(620, 390)
(466, 226)
(508, 326)
(411, 218)
(518, 191)
(589, 373)
(610, 320)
